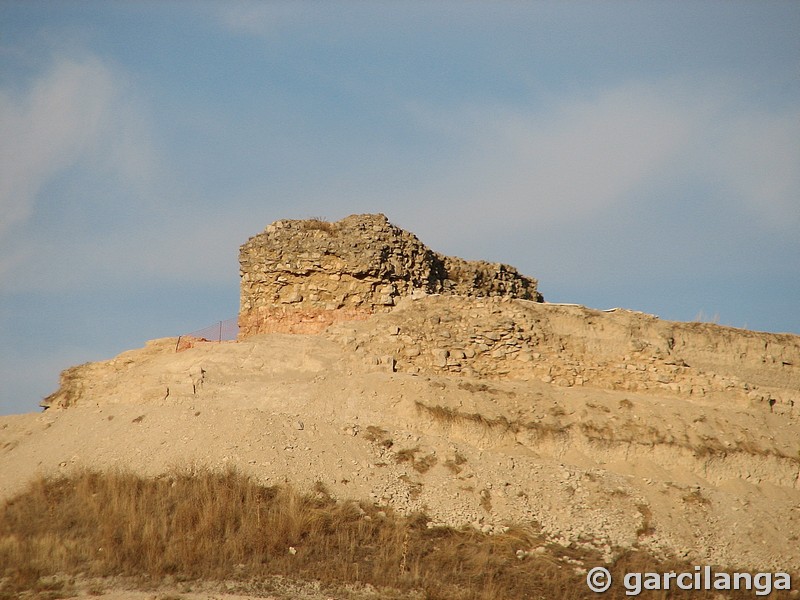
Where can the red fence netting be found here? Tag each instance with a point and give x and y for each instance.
(221, 331)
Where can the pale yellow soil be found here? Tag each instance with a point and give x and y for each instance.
(707, 472)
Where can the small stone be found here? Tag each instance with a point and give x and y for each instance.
(293, 298)
(440, 357)
(389, 362)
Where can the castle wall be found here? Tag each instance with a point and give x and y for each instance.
(301, 276)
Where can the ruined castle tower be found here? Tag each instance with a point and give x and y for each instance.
(301, 276)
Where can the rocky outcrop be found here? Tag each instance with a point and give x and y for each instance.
(574, 346)
(301, 276)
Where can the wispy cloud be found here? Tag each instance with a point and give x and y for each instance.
(570, 160)
(81, 118)
(59, 121)
(75, 114)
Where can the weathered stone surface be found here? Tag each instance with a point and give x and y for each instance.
(301, 276)
(567, 345)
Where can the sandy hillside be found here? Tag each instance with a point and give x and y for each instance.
(402, 377)
(708, 472)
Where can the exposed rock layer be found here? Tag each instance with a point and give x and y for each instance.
(569, 345)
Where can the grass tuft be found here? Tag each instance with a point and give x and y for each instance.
(421, 465)
(318, 224)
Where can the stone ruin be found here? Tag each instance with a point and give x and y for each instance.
(300, 276)
(439, 315)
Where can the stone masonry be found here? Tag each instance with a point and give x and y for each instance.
(502, 338)
(301, 276)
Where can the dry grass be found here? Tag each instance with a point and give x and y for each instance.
(319, 224)
(379, 436)
(646, 528)
(454, 464)
(224, 526)
(629, 432)
(421, 465)
(500, 424)
(696, 498)
(450, 416)
(424, 464)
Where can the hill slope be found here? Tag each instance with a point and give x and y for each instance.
(610, 430)
(402, 377)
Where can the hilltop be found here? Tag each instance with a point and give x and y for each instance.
(398, 376)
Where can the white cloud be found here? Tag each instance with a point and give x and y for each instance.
(75, 113)
(79, 116)
(564, 165)
(46, 130)
(121, 219)
(576, 159)
(570, 160)
(590, 154)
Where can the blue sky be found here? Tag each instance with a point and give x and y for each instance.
(636, 154)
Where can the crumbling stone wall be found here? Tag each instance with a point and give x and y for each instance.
(301, 276)
(571, 345)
